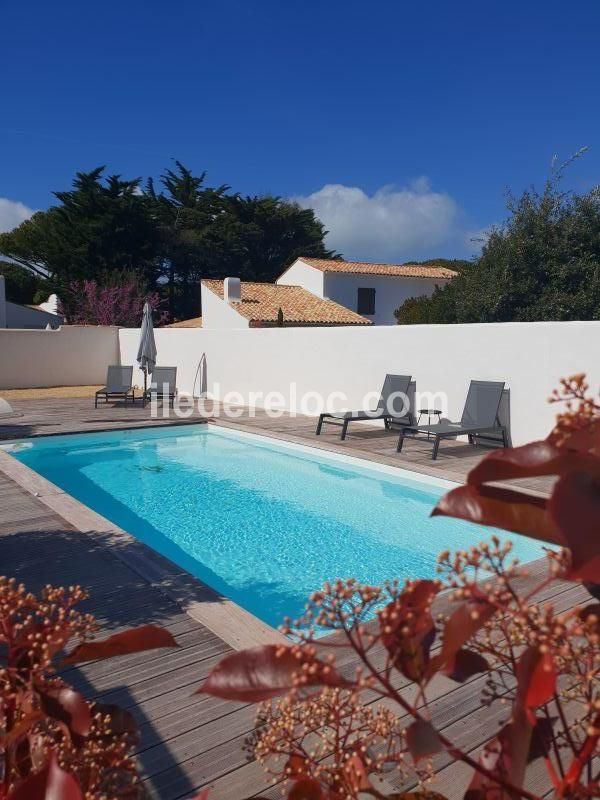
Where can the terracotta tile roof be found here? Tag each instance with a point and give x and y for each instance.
(194, 322)
(364, 268)
(262, 301)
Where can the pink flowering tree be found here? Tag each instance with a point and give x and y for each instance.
(91, 303)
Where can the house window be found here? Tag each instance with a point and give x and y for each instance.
(365, 302)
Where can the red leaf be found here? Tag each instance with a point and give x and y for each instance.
(499, 753)
(202, 794)
(583, 757)
(422, 739)
(306, 789)
(134, 640)
(462, 624)
(536, 680)
(50, 783)
(407, 629)
(494, 757)
(21, 728)
(67, 706)
(501, 508)
(263, 672)
(530, 460)
(465, 664)
(575, 507)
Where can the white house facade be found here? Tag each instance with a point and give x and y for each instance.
(374, 291)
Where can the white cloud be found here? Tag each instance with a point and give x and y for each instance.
(394, 224)
(12, 213)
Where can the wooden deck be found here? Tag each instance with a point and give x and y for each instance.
(52, 415)
(190, 741)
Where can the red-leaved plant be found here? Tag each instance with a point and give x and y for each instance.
(335, 732)
(122, 303)
(53, 742)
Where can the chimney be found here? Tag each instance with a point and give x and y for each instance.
(232, 290)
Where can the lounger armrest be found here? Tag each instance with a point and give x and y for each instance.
(154, 388)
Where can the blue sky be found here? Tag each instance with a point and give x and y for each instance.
(401, 123)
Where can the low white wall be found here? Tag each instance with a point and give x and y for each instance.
(69, 356)
(530, 357)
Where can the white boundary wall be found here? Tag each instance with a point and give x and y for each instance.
(530, 357)
(69, 356)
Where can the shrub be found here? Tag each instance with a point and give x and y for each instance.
(333, 735)
(118, 301)
(543, 263)
(53, 742)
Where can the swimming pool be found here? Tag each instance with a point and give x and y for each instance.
(262, 522)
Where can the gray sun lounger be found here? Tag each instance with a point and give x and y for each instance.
(393, 394)
(479, 417)
(118, 385)
(164, 384)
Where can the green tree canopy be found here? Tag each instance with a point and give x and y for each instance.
(100, 225)
(272, 233)
(188, 218)
(542, 264)
(170, 236)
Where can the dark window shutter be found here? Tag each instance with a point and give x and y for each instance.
(365, 301)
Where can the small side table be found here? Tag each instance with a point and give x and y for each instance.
(431, 412)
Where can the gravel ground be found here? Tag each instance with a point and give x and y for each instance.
(54, 391)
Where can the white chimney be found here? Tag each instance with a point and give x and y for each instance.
(232, 290)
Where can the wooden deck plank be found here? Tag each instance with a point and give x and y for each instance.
(181, 716)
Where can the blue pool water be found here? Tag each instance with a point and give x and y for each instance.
(260, 522)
